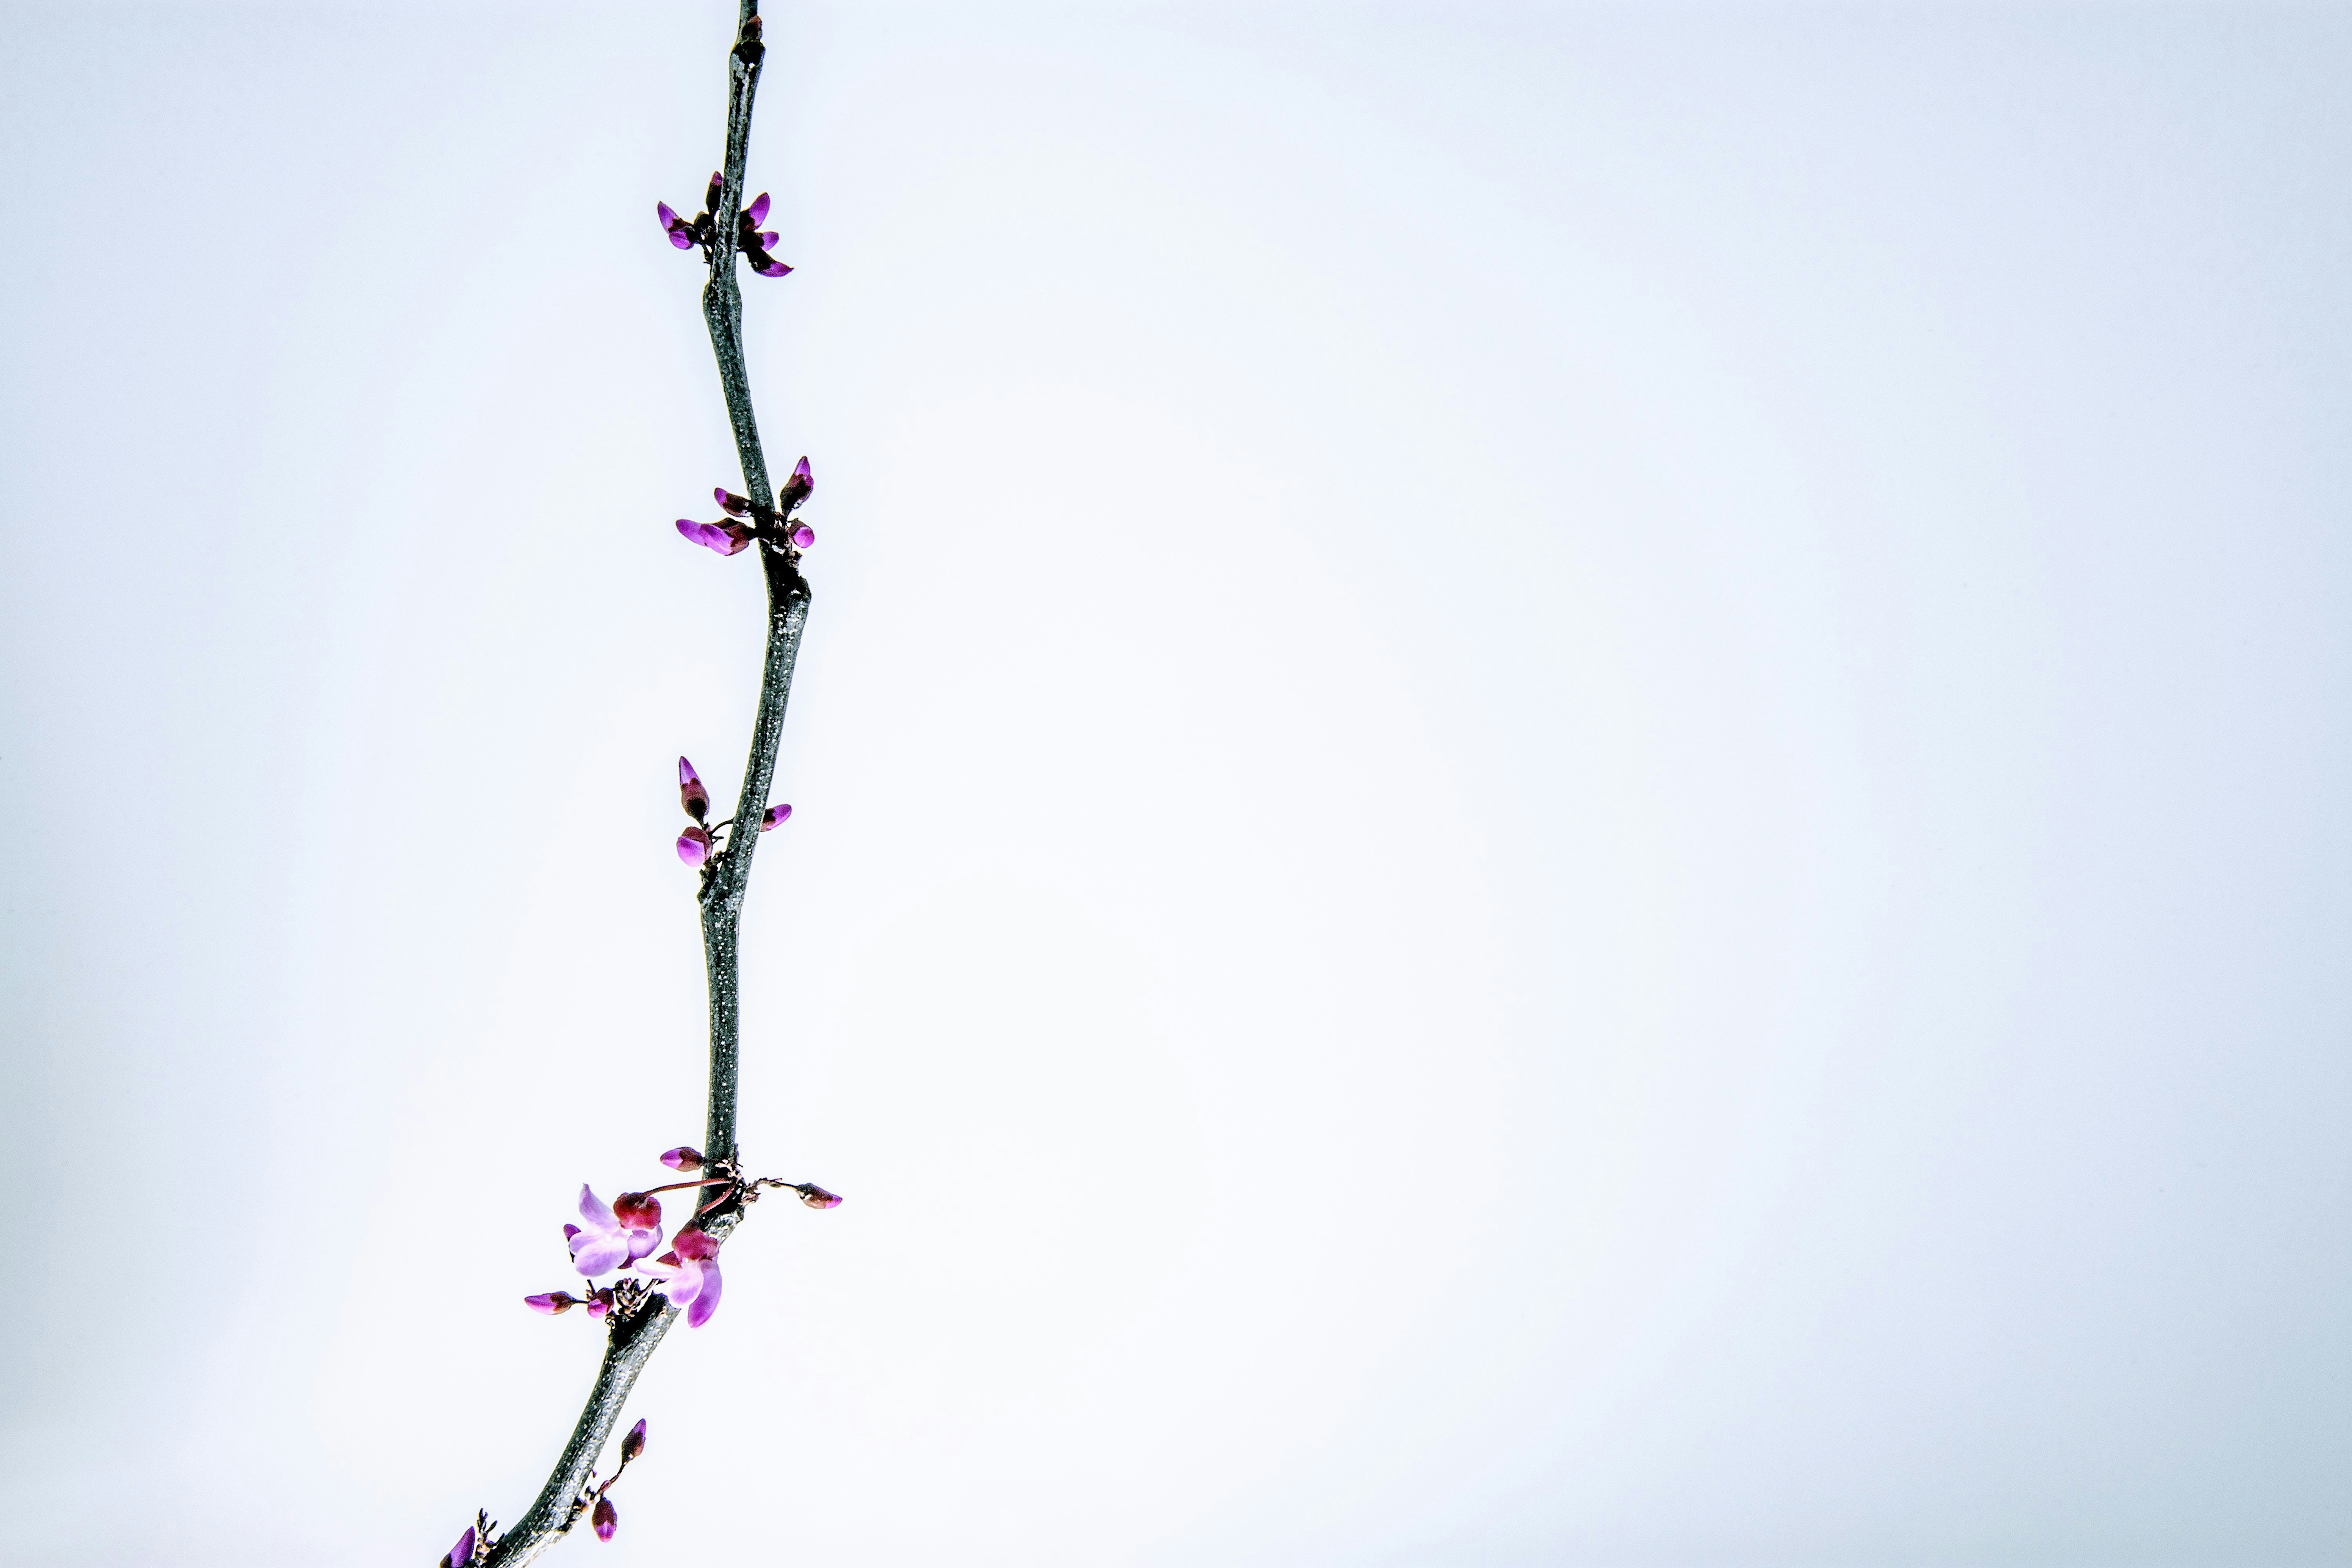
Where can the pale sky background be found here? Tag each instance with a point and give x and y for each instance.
(1571, 783)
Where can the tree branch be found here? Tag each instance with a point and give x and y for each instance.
(632, 1336)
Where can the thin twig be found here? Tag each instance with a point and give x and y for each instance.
(632, 1336)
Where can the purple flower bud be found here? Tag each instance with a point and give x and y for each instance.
(768, 267)
(683, 1159)
(604, 1519)
(729, 502)
(768, 240)
(634, 1443)
(690, 793)
(773, 815)
(637, 1211)
(682, 238)
(554, 1302)
(694, 846)
(668, 219)
(801, 478)
(710, 196)
(803, 536)
(757, 213)
(726, 538)
(600, 1302)
(461, 1553)
(816, 1197)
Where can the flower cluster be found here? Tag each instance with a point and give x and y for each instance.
(745, 519)
(623, 1235)
(694, 845)
(702, 229)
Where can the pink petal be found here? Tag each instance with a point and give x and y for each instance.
(773, 815)
(551, 1303)
(592, 1254)
(758, 211)
(693, 1245)
(803, 536)
(682, 238)
(816, 1197)
(668, 218)
(593, 1210)
(683, 1158)
(605, 1517)
(706, 1301)
(768, 240)
(570, 1231)
(643, 1241)
(461, 1553)
(801, 477)
(770, 269)
(694, 846)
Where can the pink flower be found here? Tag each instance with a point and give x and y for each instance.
(604, 1241)
(605, 1517)
(694, 846)
(773, 815)
(461, 1553)
(555, 1302)
(689, 1276)
(726, 538)
(690, 793)
(683, 1159)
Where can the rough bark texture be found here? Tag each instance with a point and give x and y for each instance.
(631, 1339)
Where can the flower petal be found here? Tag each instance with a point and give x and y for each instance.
(683, 1158)
(803, 536)
(592, 1254)
(554, 1302)
(758, 211)
(801, 477)
(461, 1553)
(593, 1210)
(643, 1241)
(694, 846)
(706, 1301)
(605, 1517)
(773, 815)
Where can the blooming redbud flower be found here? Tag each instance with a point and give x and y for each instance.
(816, 1197)
(726, 538)
(554, 1302)
(683, 1159)
(604, 1241)
(690, 793)
(773, 815)
(634, 1443)
(694, 846)
(461, 1553)
(689, 1276)
(605, 1517)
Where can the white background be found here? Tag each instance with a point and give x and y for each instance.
(1570, 784)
